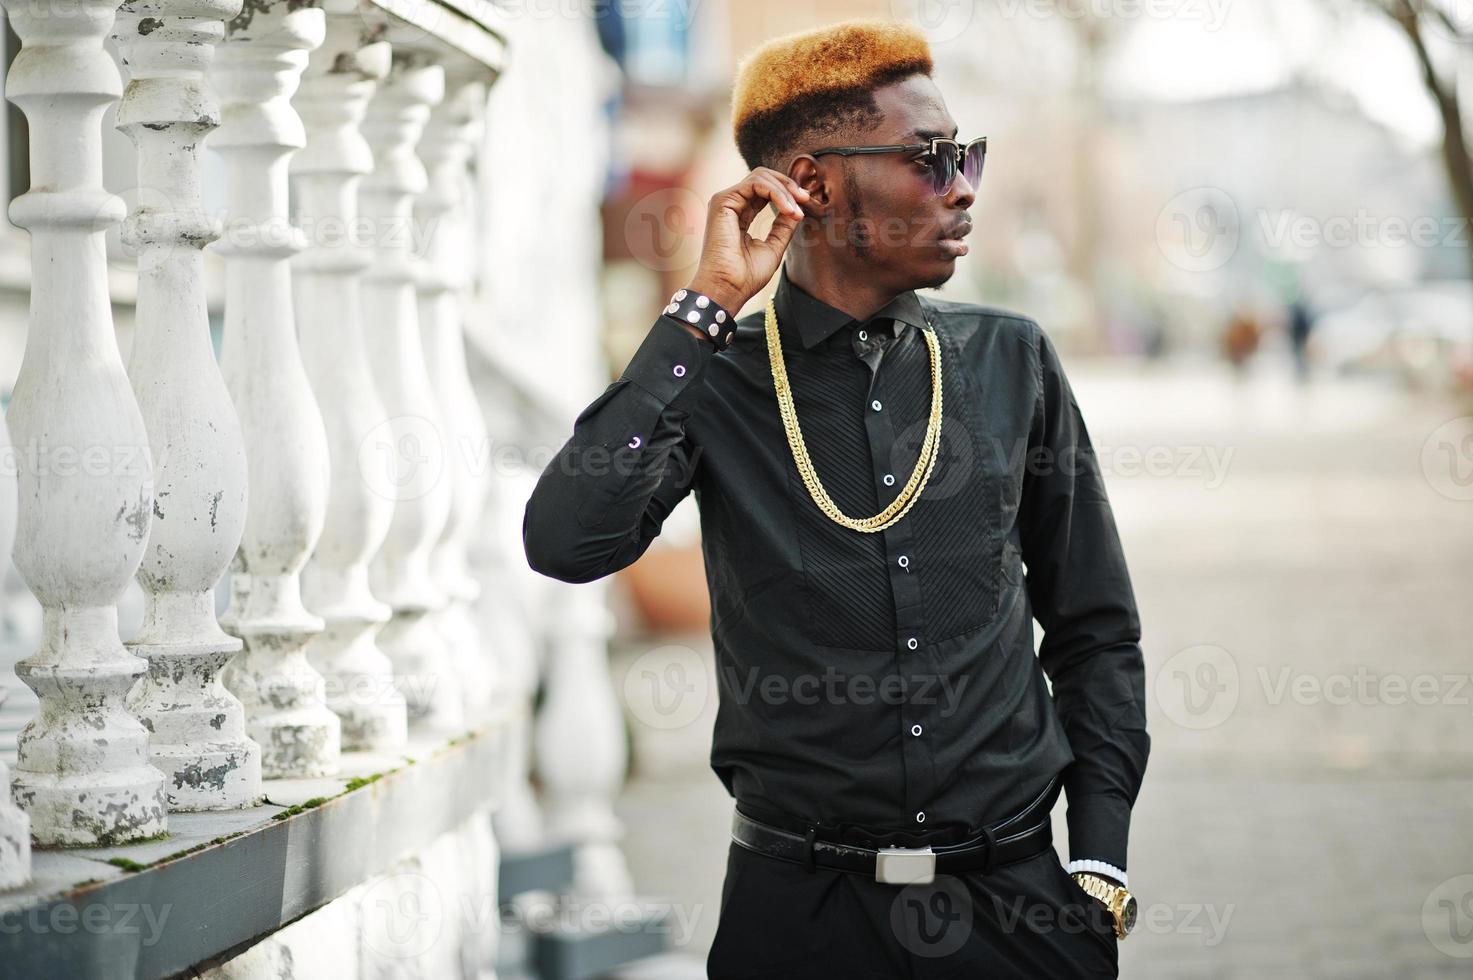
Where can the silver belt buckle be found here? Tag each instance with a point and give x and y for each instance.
(905, 865)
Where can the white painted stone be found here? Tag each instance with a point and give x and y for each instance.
(418, 482)
(428, 916)
(443, 211)
(20, 633)
(512, 601)
(402, 917)
(580, 748)
(481, 857)
(269, 959)
(198, 736)
(15, 829)
(339, 80)
(324, 943)
(85, 485)
(15, 836)
(256, 70)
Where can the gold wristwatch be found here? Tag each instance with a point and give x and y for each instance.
(1120, 902)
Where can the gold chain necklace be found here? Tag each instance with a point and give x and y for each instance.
(930, 446)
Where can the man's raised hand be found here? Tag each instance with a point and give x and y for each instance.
(735, 266)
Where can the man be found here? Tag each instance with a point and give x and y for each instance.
(887, 732)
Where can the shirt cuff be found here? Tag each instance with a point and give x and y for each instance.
(1099, 826)
(1098, 867)
(669, 363)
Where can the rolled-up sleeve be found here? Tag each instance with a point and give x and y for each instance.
(605, 495)
(1081, 595)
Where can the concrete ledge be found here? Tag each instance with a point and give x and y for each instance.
(475, 28)
(223, 880)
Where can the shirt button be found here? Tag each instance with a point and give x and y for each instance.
(889, 479)
(863, 335)
(912, 643)
(679, 370)
(903, 561)
(921, 817)
(636, 442)
(875, 404)
(915, 729)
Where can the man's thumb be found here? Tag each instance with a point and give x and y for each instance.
(780, 234)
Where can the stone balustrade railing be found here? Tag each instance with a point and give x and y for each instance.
(332, 466)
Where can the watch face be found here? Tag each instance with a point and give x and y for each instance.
(1127, 915)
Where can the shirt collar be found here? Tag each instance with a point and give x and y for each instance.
(809, 320)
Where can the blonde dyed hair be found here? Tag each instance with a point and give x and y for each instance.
(819, 80)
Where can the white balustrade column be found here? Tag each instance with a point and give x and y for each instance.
(256, 71)
(509, 613)
(502, 614)
(581, 754)
(15, 835)
(199, 738)
(340, 79)
(85, 483)
(15, 829)
(442, 214)
(414, 433)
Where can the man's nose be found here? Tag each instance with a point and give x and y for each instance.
(962, 194)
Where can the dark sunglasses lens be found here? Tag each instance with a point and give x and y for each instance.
(972, 165)
(943, 168)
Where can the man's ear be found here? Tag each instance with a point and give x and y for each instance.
(810, 176)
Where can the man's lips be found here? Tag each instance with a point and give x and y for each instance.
(952, 243)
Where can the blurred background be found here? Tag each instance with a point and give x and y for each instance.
(1245, 223)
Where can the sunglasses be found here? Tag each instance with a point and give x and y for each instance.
(944, 157)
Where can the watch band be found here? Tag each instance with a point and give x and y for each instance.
(701, 311)
(1116, 898)
(1096, 887)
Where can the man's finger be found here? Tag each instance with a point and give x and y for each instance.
(781, 197)
(778, 237)
(768, 186)
(759, 193)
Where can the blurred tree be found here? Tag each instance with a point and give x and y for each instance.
(1424, 22)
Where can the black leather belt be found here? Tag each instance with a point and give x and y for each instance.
(1017, 838)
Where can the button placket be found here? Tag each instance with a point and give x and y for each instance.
(916, 752)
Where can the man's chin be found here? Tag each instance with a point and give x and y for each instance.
(945, 270)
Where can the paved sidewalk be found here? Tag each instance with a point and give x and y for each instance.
(1302, 563)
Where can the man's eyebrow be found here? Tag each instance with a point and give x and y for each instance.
(925, 134)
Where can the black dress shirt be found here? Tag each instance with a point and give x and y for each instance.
(885, 679)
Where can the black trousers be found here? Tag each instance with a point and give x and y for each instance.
(1024, 921)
